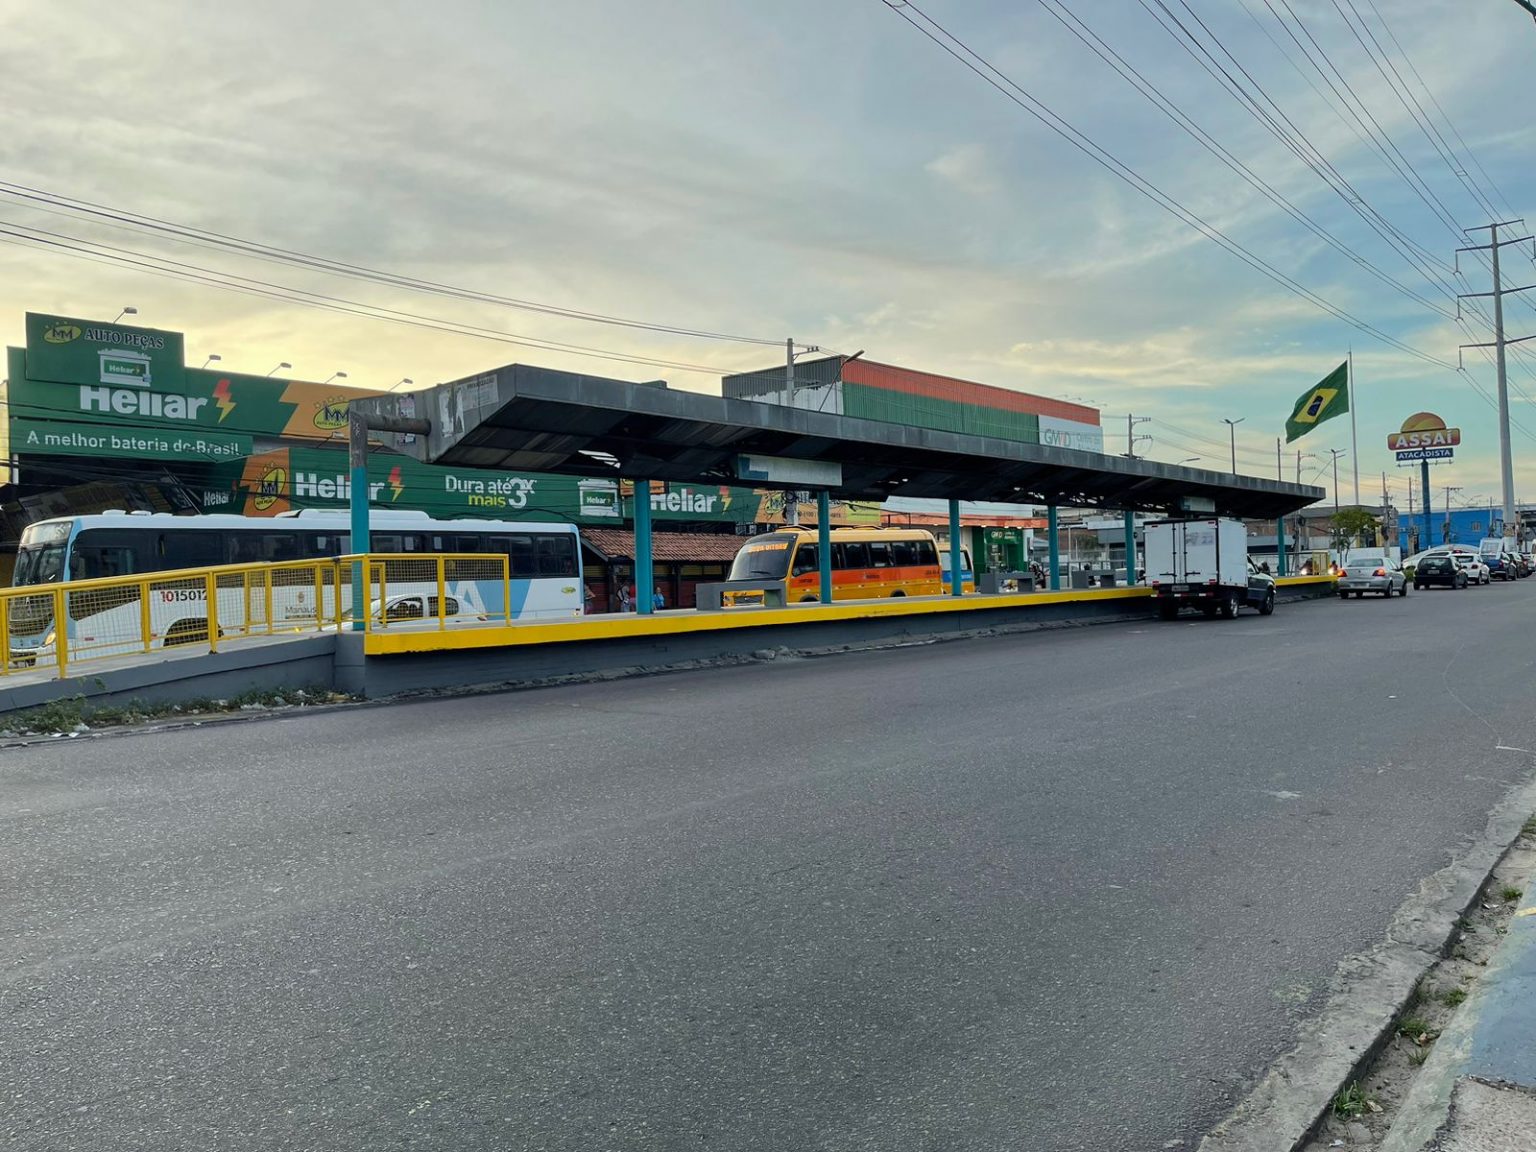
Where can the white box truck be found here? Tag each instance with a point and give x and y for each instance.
(1204, 564)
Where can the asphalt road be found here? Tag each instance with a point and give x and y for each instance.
(1070, 890)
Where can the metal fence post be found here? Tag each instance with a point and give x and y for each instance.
(60, 632)
(145, 625)
(442, 593)
(824, 544)
(211, 583)
(1055, 542)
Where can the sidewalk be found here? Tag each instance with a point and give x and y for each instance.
(1477, 1091)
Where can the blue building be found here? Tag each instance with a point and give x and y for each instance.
(1462, 526)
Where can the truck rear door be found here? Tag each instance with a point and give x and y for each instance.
(1201, 555)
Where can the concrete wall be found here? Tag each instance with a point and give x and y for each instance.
(268, 666)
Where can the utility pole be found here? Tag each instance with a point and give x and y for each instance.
(1279, 473)
(789, 371)
(1232, 431)
(1445, 534)
(1337, 453)
(1506, 463)
(1130, 434)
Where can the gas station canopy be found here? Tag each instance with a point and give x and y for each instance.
(521, 418)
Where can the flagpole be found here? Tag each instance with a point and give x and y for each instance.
(1354, 441)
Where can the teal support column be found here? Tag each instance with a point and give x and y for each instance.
(645, 570)
(1280, 545)
(824, 544)
(1130, 548)
(1054, 580)
(956, 561)
(357, 501)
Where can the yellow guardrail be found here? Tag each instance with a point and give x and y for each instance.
(57, 627)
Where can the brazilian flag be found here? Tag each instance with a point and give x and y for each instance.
(1328, 399)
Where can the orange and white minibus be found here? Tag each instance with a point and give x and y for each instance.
(867, 563)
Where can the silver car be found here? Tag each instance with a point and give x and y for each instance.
(1372, 573)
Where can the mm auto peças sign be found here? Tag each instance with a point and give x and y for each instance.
(1424, 436)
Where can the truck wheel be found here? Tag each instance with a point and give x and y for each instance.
(1268, 607)
(1208, 611)
(1168, 610)
(1343, 595)
(1229, 608)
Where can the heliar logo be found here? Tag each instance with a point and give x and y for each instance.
(132, 402)
(314, 486)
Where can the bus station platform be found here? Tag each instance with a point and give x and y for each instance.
(422, 657)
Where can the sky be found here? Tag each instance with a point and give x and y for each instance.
(816, 170)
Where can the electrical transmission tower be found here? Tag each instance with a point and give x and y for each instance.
(1498, 343)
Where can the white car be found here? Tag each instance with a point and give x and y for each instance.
(1477, 572)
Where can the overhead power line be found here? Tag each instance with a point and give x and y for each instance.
(63, 244)
(207, 238)
(1160, 100)
(1011, 90)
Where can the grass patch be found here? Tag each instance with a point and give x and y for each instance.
(1529, 827)
(1351, 1103)
(1509, 893)
(1453, 997)
(1417, 1029)
(1418, 1056)
(76, 714)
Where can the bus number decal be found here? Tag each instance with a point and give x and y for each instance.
(174, 595)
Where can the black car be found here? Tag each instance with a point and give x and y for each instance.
(1441, 569)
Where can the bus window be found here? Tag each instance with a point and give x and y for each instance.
(520, 550)
(924, 553)
(556, 554)
(188, 550)
(850, 555)
(248, 547)
(903, 553)
(879, 554)
(807, 560)
(104, 552)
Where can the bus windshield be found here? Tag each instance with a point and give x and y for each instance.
(762, 558)
(41, 564)
(40, 558)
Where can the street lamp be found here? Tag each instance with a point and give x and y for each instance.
(402, 380)
(211, 358)
(284, 364)
(1232, 431)
(333, 376)
(1189, 460)
(128, 310)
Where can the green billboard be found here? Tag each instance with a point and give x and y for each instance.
(70, 350)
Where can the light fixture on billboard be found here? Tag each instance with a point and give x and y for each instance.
(334, 376)
(128, 310)
(211, 358)
(284, 364)
(402, 380)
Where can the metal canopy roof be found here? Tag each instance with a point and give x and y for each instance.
(538, 420)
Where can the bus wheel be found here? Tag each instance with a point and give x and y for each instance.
(808, 598)
(898, 592)
(187, 632)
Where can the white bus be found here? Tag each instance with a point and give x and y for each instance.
(544, 563)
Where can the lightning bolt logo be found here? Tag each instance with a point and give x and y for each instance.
(396, 485)
(725, 498)
(221, 398)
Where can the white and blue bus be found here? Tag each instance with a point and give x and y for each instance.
(544, 563)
